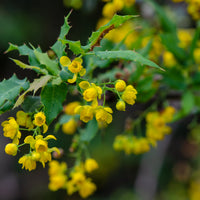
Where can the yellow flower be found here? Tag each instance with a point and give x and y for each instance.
(108, 10)
(40, 120)
(169, 59)
(11, 149)
(70, 107)
(121, 105)
(103, 114)
(78, 177)
(71, 187)
(91, 92)
(57, 175)
(185, 37)
(118, 4)
(129, 95)
(75, 67)
(90, 165)
(11, 130)
(40, 145)
(27, 162)
(69, 127)
(87, 188)
(120, 85)
(129, 3)
(24, 119)
(86, 113)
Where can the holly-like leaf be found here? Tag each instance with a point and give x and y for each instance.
(10, 89)
(31, 103)
(25, 66)
(74, 46)
(59, 47)
(34, 86)
(24, 50)
(98, 35)
(126, 55)
(43, 59)
(52, 97)
(90, 131)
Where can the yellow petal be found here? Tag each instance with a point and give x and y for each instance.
(84, 85)
(50, 137)
(108, 109)
(45, 128)
(82, 72)
(78, 59)
(29, 139)
(73, 79)
(65, 61)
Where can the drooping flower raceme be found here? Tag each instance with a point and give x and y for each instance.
(11, 130)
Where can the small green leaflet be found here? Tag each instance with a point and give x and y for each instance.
(43, 59)
(58, 47)
(25, 66)
(126, 55)
(98, 35)
(34, 86)
(52, 96)
(24, 50)
(10, 89)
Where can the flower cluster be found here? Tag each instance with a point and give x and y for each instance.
(156, 127)
(73, 180)
(131, 144)
(39, 150)
(127, 94)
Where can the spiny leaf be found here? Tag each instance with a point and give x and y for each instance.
(34, 86)
(58, 47)
(126, 55)
(25, 66)
(52, 97)
(98, 35)
(51, 65)
(10, 89)
(74, 46)
(24, 50)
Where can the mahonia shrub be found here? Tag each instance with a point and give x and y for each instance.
(74, 87)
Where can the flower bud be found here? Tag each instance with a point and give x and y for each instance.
(120, 85)
(11, 149)
(121, 105)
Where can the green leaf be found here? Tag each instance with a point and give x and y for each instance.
(31, 103)
(126, 55)
(90, 131)
(144, 84)
(34, 86)
(74, 46)
(51, 65)
(64, 119)
(98, 35)
(65, 75)
(24, 50)
(58, 47)
(187, 102)
(25, 66)
(52, 97)
(10, 89)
